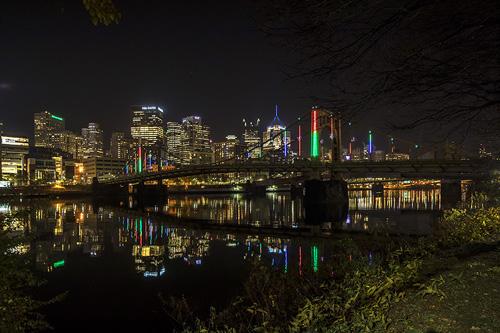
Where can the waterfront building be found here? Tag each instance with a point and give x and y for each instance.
(175, 136)
(102, 167)
(397, 156)
(47, 165)
(378, 155)
(276, 139)
(196, 141)
(92, 141)
(46, 126)
(251, 139)
(147, 125)
(13, 152)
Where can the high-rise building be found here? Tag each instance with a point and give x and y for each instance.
(226, 151)
(175, 135)
(251, 139)
(276, 139)
(196, 142)
(147, 125)
(69, 142)
(120, 146)
(92, 141)
(46, 127)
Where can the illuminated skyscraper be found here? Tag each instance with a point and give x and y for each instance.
(251, 139)
(69, 142)
(92, 141)
(46, 127)
(120, 146)
(276, 139)
(174, 136)
(147, 125)
(196, 141)
(226, 151)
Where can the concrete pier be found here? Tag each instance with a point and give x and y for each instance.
(325, 201)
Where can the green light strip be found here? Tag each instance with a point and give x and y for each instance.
(314, 253)
(59, 263)
(56, 117)
(314, 144)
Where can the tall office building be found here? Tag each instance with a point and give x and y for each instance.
(251, 139)
(92, 141)
(226, 151)
(121, 146)
(69, 142)
(196, 142)
(147, 125)
(174, 136)
(46, 127)
(276, 140)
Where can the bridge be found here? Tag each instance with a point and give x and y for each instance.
(410, 169)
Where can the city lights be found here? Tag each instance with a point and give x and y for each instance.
(56, 118)
(314, 134)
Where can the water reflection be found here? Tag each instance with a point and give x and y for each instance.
(95, 251)
(61, 227)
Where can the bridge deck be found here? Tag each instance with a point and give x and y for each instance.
(411, 169)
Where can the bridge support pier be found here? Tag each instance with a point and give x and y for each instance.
(325, 201)
(254, 189)
(451, 193)
(378, 189)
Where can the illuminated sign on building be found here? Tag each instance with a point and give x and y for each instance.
(152, 108)
(56, 117)
(15, 141)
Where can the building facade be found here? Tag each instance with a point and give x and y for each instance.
(92, 145)
(102, 168)
(147, 125)
(71, 143)
(196, 141)
(251, 139)
(46, 126)
(174, 138)
(227, 151)
(276, 139)
(13, 152)
(121, 146)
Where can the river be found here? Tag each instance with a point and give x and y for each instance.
(115, 261)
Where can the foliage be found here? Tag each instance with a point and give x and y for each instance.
(18, 311)
(422, 62)
(358, 297)
(462, 226)
(102, 11)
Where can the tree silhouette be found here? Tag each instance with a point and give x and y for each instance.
(425, 62)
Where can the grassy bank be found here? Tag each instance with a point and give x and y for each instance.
(408, 286)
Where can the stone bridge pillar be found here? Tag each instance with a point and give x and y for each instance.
(451, 193)
(325, 201)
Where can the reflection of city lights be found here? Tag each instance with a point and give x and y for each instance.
(314, 257)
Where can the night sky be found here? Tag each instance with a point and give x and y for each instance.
(189, 57)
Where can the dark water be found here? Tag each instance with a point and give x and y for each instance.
(114, 261)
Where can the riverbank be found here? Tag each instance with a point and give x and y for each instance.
(423, 286)
(463, 295)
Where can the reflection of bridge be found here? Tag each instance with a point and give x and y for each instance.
(411, 169)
